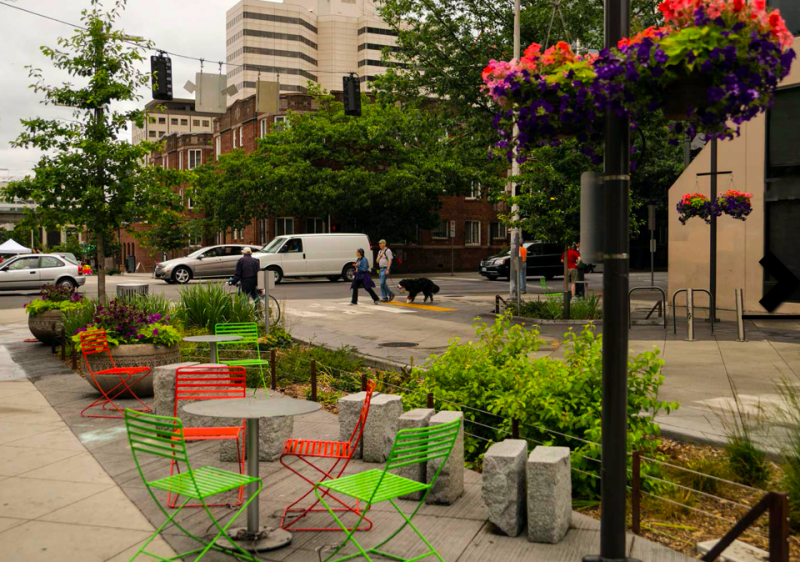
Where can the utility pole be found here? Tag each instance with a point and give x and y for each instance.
(712, 282)
(614, 475)
(515, 232)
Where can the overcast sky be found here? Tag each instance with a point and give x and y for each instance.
(191, 27)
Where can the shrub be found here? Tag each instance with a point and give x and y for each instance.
(704, 468)
(54, 297)
(278, 338)
(747, 462)
(127, 323)
(557, 402)
(552, 308)
(206, 305)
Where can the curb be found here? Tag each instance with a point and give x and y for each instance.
(543, 321)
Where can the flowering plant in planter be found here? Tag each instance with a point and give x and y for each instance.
(551, 97)
(715, 65)
(696, 205)
(54, 297)
(735, 203)
(126, 323)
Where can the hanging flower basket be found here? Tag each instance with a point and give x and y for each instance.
(550, 96)
(696, 205)
(735, 204)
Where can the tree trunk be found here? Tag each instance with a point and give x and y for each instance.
(101, 273)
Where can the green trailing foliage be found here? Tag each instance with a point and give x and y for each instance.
(557, 402)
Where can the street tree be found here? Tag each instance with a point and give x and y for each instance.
(87, 175)
(171, 231)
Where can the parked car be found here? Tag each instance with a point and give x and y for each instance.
(544, 260)
(206, 263)
(31, 271)
(69, 257)
(313, 255)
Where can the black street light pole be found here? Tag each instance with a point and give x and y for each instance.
(616, 183)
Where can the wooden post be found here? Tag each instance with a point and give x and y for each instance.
(636, 492)
(74, 358)
(514, 428)
(313, 380)
(273, 368)
(779, 528)
(430, 400)
(63, 344)
(363, 382)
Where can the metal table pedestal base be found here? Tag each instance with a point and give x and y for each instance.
(267, 538)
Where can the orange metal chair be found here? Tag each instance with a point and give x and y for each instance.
(210, 383)
(342, 452)
(94, 342)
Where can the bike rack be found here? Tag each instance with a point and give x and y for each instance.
(663, 299)
(689, 310)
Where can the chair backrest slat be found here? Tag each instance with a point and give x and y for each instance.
(209, 383)
(92, 342)
(248, 331)
(161, 436)
(416, 446)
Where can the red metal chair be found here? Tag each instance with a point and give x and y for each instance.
(210, 383)
(342, 452)
(94, 342)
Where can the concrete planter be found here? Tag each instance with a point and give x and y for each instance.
(133, 355)
(46, 327)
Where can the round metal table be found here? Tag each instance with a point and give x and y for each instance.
(254, 537)
(213, 340)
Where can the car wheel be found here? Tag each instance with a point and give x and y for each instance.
(182, 275)
(549, 277)
(494, 278)
(277, 273)
(349, 273)
(334, 278)
(67, 283)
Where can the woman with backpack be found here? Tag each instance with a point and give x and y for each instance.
(362, 279)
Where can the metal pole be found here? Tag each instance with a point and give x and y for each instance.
(273, 368)
(615, 313)
(712, 282)
(739, 312)
(251, 442)
(636, 492)
(651, 224)
(779, 528)
(514, 264)
(313, 380)
(690, 314)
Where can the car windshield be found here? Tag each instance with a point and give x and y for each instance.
(70, 257)
(273, 246)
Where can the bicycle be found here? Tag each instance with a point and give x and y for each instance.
(258, 300)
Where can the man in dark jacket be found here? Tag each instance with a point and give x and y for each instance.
(247, 272)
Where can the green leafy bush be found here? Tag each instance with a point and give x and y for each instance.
(278, 338)
(557, 402)
(206, 305)
(747, 462)
(54, 297)
(552, 308)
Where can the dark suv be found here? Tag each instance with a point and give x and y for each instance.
(544, 260)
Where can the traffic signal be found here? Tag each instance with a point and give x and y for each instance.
(161, 75)
(352, 95)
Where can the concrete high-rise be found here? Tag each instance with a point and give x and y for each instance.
(302, 40)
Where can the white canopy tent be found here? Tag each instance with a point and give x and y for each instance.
(11, 247)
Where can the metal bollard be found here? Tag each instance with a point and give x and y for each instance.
(690, 314)
(313, 380)
(738, 296)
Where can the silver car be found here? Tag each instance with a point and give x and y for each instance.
(31, 271)
(209, 262)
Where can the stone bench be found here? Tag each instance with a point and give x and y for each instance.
(549, 494)
(503, 490)
(449, 486)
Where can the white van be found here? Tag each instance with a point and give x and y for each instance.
(313, 255)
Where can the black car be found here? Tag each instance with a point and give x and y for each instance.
(544, 260)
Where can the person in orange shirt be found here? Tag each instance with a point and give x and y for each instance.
(573, 257)
(523, 269)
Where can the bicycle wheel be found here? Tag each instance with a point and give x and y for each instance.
(274, 302)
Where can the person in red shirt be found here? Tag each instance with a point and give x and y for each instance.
(573, 259)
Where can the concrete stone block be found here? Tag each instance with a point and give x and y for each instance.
(272, 434)
(349, 412)
(381, 427)
(738, 551)
(414, 419)
(549, 494)
(503, 489)
(450, 484)
(164, 387)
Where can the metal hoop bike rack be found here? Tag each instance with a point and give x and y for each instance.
(663, 300)
(689, 310)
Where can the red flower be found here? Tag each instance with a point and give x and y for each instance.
(738, 5)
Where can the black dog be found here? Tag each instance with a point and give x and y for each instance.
(416, 286)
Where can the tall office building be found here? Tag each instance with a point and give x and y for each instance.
(302, 40)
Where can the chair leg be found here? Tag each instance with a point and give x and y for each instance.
(104, 400)
(350, 534)
(223, 531)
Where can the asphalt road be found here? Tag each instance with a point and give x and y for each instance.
(462, 284)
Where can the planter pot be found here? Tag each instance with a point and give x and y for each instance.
(46, 327)
(690, 90)
(133, 355)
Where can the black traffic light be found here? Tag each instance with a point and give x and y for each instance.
(161, 75)
(352, 95)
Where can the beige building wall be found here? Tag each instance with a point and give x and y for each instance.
(178, 116)
(740, 244)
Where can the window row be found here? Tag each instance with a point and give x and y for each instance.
(472, 231)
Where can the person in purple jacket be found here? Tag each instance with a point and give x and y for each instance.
(362, 278)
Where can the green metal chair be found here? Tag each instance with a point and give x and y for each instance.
(411, 446)
(547, 293)
(249, 333)
(162, 436)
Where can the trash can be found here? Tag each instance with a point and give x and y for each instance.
(580, 284)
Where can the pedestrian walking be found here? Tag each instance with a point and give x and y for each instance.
(523, 269)
(385, 259)
(247, 273)
(362, 278)
(573, 257)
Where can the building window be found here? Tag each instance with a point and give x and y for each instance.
(498, 230)
(284, 226)
(474, 191)
(218, 147)
(173, 121)
(185, 122)
(162, 120)
(205, 122)
(152, 120)
(263, 128)
(180, 160)
(195, 122)
(241, 137)
(160, 134)
(263, 230)
(152, 134)
(472, 233)
(281, 121)
(316, 226)
(233, 134)
(195, 158)
(440, 233)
